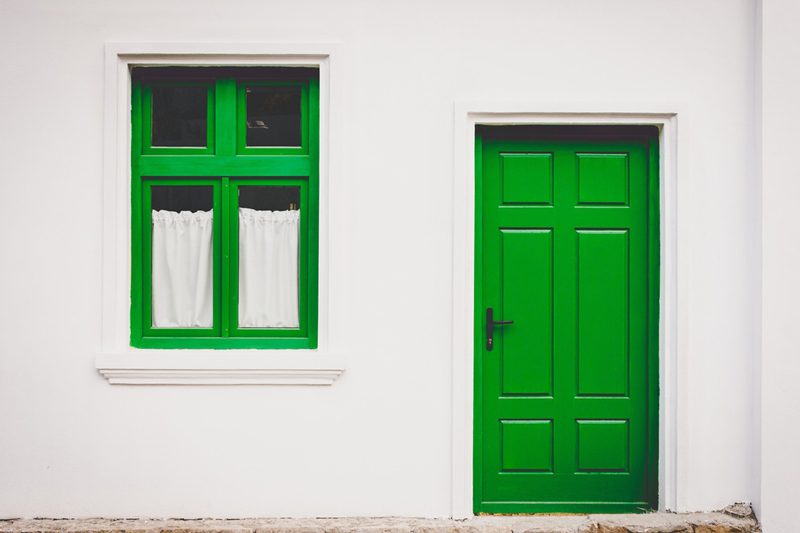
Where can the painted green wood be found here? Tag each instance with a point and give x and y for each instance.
(225, 343)
(528, 445)
(603, 314)
(222, 166)
(229, 219)
(566, 247)
(528, 365)
(226, 120)
(479, 340)
(313, 211)
(201, 165)
(136, 216)
(528, 179)
(603, 446)
(654, 262)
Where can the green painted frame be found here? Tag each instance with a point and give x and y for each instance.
(653, 319)
(654, 287)
(224, 169)
(241, 123)
(147, 120)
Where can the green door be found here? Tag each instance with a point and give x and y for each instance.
(567, 251)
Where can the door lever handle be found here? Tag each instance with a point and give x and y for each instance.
(490, 325)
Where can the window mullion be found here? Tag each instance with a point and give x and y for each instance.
(225, 118)
(225, 237)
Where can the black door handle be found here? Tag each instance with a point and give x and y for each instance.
(490, 324)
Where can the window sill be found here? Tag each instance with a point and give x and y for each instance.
(212, 367)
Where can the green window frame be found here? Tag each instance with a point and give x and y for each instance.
(224, 165)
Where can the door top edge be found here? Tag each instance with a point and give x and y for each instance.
(551, 132)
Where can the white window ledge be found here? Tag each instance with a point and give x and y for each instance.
(212, 367)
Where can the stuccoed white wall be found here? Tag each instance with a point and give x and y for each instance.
(781, 263)
(378, 441)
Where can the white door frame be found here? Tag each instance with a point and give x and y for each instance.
(671, 405)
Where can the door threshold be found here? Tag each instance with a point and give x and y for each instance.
(733, 519)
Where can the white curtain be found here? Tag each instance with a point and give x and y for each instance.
(182, 269)
(268, 275)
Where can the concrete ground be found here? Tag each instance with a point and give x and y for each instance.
(737, 518)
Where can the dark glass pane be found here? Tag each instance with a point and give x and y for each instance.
(179, 116)
(182, 198)
(269, 198)
(273, 116)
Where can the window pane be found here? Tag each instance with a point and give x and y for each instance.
(179, 116)
(269, 197)
(182, 198)
(273, 116)
(182, 255)
(269, 232)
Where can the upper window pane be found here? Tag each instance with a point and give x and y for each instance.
(273, 116)
(180, 116)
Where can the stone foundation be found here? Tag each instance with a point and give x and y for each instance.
(737, 518)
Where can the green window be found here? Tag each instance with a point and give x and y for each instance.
(225, 207)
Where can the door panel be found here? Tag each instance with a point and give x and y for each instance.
(566, 399)
(603, 323)
(527, 288)
(527, 178)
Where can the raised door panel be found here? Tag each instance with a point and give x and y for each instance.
(527, 296)
(603, 312)
(527, 178)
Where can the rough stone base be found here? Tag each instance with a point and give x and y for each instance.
(737, 518)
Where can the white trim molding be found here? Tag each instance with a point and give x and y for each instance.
(671, 405)
(118, 361)
(204, 368)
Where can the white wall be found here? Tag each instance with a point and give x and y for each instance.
(378, 441)
(781, 264)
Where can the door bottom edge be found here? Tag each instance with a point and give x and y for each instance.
(501, 508)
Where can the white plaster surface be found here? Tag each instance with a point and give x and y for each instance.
(377, 442)
(780, 462)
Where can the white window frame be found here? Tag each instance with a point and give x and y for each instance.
(118, 362)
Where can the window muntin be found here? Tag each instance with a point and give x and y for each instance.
(271, 182)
